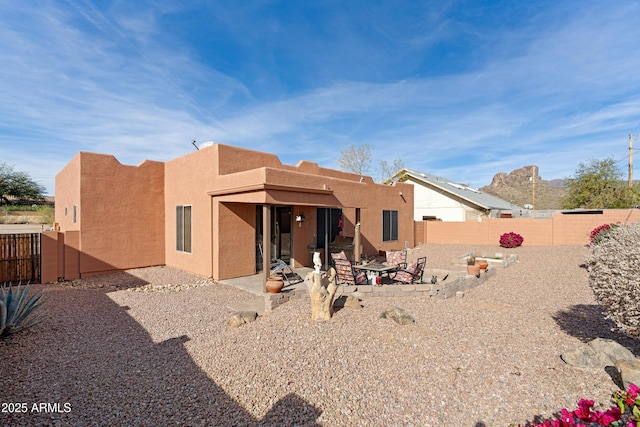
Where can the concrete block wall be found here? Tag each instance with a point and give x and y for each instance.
(561, 229)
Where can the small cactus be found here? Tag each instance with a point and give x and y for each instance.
(18, 311)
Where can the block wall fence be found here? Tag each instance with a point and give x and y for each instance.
(62, 257)
(561, 229)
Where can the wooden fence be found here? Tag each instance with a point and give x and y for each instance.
(20, 258)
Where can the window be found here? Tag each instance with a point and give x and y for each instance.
(183, 228)
(75, 214)
(389, 226)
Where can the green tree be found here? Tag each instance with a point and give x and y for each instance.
(356, 159)
(599, 184)
(18, 184)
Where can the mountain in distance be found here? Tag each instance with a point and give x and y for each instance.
(516, 187)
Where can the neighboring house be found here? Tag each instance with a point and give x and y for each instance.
(218, 211)
(437, 198)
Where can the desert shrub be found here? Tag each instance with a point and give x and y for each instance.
(614, 276)
(600, 233)
(18, 310)
(511, 240)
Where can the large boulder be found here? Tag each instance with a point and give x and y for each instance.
(582, 356)
(601, 353)
(629, 372)
(609, 351)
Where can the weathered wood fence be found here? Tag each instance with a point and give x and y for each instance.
(20, 258)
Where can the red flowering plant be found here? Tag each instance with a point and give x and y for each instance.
(625, 414)
(511, 240)
(600, 233)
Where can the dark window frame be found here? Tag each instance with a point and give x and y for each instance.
(184, 229)
(389, 225)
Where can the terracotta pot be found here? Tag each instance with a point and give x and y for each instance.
(474, 270)
(482, 263)
(275, 285)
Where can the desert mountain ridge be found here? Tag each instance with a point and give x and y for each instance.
(516, 187)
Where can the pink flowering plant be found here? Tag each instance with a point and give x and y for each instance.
(600, 233)
(626, 413)
(511, 240)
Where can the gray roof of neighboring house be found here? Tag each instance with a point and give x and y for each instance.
(473, 195)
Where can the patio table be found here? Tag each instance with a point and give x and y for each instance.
(377, 268)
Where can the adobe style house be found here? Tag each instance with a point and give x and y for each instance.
(218, 212)
(437, 198)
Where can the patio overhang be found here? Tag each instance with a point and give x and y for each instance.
(274, 194)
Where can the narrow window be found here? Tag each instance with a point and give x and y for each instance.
(75, 214)
(65, 211)
(183, 228)
(389, 226)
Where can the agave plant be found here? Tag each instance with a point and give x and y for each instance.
(18, 311)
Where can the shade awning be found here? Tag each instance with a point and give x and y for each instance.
(278, 195)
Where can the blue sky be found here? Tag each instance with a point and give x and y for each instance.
(461, 89)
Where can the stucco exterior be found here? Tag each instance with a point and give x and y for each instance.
(118, 211)
(127, 216)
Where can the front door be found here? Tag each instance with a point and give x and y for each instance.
(327, 228)
(281, 234)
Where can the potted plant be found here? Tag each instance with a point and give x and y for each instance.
(482, 263)
(472, 267)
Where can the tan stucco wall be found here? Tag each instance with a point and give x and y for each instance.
(187, 180)
(235, 249)
(52, 250)
(68, 195)
(128, 213)
(224, 184)
(120, 214)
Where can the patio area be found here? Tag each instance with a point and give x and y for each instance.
(449, 284)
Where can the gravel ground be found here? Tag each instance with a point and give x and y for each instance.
(110, 356)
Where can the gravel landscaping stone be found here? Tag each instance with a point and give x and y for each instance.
(151, 347)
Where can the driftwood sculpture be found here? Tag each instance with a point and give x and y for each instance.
(322, 292)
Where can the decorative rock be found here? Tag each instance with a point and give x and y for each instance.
(240, 318)
(582, 357)
(609, 351)
(398, 315)
(352, 302)
(597, 354)
(460, 294)
(629, 371)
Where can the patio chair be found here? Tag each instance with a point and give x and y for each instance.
(289, 276)
(346, 275)
(397, 258)
(412, 273)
